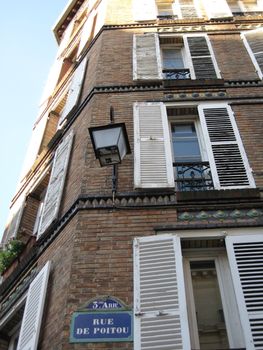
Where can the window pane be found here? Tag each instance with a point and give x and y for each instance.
(208, 305)
(185, 143)
(172, 59)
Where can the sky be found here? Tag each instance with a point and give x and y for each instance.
(28, 49)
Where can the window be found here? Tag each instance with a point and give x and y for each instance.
(198, 290)
(165, 9)
(173, 57)
(196, 147)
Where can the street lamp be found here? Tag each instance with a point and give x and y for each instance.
(110, 143)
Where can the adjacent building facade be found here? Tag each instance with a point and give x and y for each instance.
(175, 231)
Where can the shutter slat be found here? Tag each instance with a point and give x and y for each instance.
(163, 320)
(229, 164)
(146, 57)
(153, 157)
(201, 55)
(250, 293)
(56, 184)
(32, 317)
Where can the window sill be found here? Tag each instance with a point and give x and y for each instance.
(195, 82)
(218, 195)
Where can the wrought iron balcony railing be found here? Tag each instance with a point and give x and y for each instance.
(175, 74)
(247, 13)
(195, 176)
(167, 17)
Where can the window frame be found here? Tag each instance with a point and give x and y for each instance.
(200, 137)
(227, 294)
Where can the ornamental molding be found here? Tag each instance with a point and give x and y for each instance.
(251, 214)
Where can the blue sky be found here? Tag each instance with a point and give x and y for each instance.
(28, 48)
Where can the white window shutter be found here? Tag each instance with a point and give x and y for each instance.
(245, 255)
(146, 57)
(74, 90)
(57, 65)
(160, 314)
(188, 9)
(253, 41)
(153, 162)
(144, 10)
(203, 62)
(14, 220)
(31, 322)
(35, 143)
(217, 9)
(86, 32)
(228, 161)
(56, 184)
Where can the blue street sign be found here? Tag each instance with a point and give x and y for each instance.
(108, 326)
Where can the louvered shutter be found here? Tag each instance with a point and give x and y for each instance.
(74, 90)
(34, 144)
(217, 8)
(57, 65)
(160, 319)
(86, 32)
(56, 184)
(245, 255)
(13, 221)
(31, 322)
(153, 164)
(144, 10)
(254, 44)
(228, 161)
(146, 57)
(203, 60)
(188, 9)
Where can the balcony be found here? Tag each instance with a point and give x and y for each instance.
(195, 176)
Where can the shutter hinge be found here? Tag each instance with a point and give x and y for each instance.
(139, 314)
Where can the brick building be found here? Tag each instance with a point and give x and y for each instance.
(175, 230)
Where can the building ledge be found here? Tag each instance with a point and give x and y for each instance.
(218, 195)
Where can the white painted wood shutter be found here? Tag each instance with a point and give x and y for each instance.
(253, 41)
(74, 90)
(153, 162)
(146, 57)
(160, 315)
(227, 158)
(56, 184)
(217, 9)
(14, 220)
(86, 32)
(57, 65)
(245, 254)
(31, 322)
(204, 65)
(188, 9)
(144, 10)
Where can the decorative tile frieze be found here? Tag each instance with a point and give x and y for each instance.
(222, 215)
(176, 29)
(195, 95)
